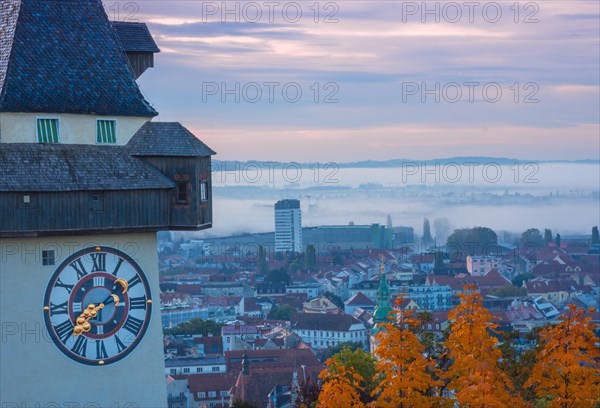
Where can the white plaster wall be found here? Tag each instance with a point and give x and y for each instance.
(34, 372)
(73, 129)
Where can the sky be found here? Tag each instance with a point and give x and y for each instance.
(323, 81)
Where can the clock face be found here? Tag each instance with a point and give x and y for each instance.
(97, 306)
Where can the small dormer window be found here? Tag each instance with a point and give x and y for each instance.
(47, 130)
(106, 131)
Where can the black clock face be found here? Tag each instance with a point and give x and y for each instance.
(97, 306)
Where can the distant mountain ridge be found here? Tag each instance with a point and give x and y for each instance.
(463, 160)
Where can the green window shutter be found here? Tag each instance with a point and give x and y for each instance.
(106, 131)
(47, 130)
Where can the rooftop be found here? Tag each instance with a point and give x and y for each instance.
(33, 167)
(63, 56)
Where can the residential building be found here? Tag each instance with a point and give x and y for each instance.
(321, 333)
(481, 265)
(205, 365)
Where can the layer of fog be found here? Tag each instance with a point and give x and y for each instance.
(562, 197)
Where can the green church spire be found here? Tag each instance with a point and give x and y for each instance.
(382, 310)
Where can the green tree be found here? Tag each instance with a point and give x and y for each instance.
(557, 241)
(333, 350)
(547, 236)
(263, 267)
(472, 241)
(310, 257)
(278, 276)
(439, 261)
(196, 326)
(363, 364)
(516, 363)
(293, 267)
(238, 403)
(523, 277)
(531, 239)
(508, 291)
(283, 312)
(595, 236)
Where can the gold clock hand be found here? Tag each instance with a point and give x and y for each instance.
(123, 283)
(83, 321)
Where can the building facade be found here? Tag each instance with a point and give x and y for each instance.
(288, 226)
(86, 180)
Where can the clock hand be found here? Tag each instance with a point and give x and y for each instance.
(83, 321)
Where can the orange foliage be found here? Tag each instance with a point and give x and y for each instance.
(568, 366)
(474, 374)
(404, 373)
(341, 386)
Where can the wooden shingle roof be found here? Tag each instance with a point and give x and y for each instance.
(135, 37)
(166, 139)
(63, 56)
(30, 167)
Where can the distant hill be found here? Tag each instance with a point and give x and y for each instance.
(231, 165)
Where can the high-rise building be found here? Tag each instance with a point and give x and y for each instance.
(288, 226)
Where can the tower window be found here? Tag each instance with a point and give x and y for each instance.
(47, 130)
(48, 257)
(106, 131)
(203, 191)
(181, 192)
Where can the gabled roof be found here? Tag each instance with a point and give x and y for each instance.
(36, 167)
(65, 57)
(359, 300)
(166, 139)
(134, 37)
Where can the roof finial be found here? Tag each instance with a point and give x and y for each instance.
(382, 267)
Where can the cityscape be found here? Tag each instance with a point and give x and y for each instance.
(299, 205)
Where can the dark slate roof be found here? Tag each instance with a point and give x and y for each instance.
(30, 167)
(66, 58)
(135, 37)
(166, 139)
(8, 20)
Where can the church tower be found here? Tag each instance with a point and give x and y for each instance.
(86, 180)
(382, 310)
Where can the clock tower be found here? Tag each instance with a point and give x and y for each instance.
(87, 178)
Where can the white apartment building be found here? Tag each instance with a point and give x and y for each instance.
(323, 331)
(481, 265)
(288, 226)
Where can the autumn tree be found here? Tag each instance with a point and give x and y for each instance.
(404, 374)
(568, 363)
(307, 393)
(341, 386)
(474, 374)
